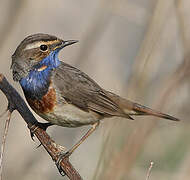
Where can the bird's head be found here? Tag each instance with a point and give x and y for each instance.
(33, 50)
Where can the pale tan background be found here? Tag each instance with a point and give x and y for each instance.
(135, 48)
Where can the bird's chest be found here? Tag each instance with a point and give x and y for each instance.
(39, 92)
(45, 104)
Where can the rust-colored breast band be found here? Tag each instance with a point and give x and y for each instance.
(46, 104)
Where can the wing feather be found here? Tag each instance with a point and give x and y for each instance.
(79, 89)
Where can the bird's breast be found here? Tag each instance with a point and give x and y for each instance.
(45, 104)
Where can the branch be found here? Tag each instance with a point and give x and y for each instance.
(16, 102)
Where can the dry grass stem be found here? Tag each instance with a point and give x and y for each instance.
(138, 82)
(182, 11)
(7, 122)
(149, 170)
(136, 140)
(138, 77)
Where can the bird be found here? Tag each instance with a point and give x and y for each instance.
(64, 95)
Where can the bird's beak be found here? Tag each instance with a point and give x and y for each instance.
(68, 43)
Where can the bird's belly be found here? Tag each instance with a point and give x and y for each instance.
(68, 115)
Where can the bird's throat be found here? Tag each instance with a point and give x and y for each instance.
(36, 84)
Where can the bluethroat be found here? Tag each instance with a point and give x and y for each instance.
(61, 93)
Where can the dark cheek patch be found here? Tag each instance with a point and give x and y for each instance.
(36, 54)
(46, 104)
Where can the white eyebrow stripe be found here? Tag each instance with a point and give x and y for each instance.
(38, 44)
(33, 45)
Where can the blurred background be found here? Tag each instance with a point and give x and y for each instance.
(136, 48)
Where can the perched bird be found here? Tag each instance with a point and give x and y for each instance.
(62, 94)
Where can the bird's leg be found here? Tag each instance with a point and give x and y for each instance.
(89, 132)
(68, 153)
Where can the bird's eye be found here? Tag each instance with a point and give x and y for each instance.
(43, 47)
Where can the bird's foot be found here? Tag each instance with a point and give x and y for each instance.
(43, 126)
(62, 156)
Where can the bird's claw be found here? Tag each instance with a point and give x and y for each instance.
(43, 126)
(32, 135)
(58, 162)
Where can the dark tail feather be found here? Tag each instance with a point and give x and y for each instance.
(143, 110)
(130, 108)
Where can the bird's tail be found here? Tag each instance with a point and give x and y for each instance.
(130, 108)
(139, 109)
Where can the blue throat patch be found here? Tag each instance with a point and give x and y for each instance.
(36, 84)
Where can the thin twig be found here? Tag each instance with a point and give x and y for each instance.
(3, 142)
(149, 170)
